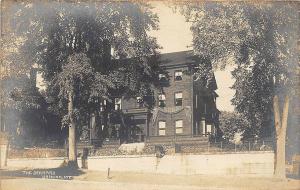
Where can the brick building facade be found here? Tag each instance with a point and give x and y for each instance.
(183, 108)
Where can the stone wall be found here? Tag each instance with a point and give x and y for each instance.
(258, 164)
(254, 163)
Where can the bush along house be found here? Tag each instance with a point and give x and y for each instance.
(183, 109)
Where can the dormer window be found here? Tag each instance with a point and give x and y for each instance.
(162, 77)
(178, 99)
(161, 100)
(178, 75)
(118, 103)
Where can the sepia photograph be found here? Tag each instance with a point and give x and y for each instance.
(149, 95)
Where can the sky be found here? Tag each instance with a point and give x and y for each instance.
(174, 35)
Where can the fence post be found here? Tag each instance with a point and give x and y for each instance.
(108, 173)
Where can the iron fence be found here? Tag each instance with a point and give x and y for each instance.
(245, 146)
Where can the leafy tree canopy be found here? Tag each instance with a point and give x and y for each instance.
(51, 32)
(55, 30)
(261, 39)
(232, 123)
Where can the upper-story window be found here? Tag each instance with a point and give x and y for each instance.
(213, 115)
(161, 100)
(140, 101)
(162, 77)
(102, 105)
(178, 75)
(118, 103)
(178, 99)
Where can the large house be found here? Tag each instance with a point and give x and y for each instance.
(184, 108)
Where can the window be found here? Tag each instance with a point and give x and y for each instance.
(161, 100)
(102, 105)
(208, 129)
(197, 128)
(92, 121)
(178, 75)
(178, 99)
(162, 77)
(118, 103)
(140, 101)
(179, 126)
(161, 128)
(203, 125)
(117, 130)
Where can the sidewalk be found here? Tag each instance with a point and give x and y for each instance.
(47, 184)
(199, 181)
(91, 180)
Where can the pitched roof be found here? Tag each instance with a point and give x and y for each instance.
(182, 57)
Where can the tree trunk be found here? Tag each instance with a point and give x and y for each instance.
(280, 127)
(72, 159)
(124, 130)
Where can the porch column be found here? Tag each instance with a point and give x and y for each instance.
(92, 126)
(147, 127)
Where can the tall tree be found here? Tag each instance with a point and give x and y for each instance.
(76, 80)
(262, 40)
(54, 32)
